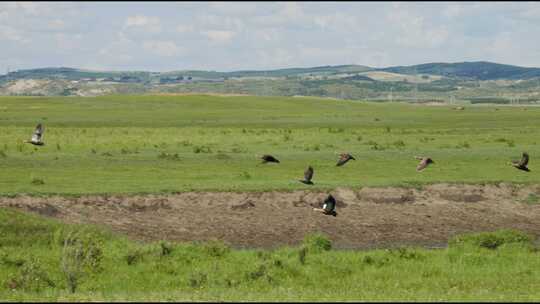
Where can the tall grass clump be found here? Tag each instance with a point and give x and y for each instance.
(491, 240)
(317, 242)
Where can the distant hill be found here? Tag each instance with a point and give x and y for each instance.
(480, 70)
(70, 74)
(77, 74)
(465, 81)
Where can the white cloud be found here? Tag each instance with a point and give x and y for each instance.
(184, 28)
(56, 24)
(412, 30)
(9, 33)
(149, 24)
(452, 10)
(217, 36)
(234, 8)
(257, 35)
(163, 48)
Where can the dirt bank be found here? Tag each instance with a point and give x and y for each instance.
(369, 217)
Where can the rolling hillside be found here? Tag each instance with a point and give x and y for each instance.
(461, 82)
(480, 70)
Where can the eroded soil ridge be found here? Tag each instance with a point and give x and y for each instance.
(367, 218)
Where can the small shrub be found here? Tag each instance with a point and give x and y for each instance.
(463, 145)
(532, 199)
(368, 260)
(7, 260)
(302, 254)
(399, 144)
(387, 129)
(315, 147)
(216, 248)
(491, 240)
(317, 242)
(185, 143)
(81, 254)
(379, 262)
(407, 253)
(382, 262)
(426, 139)
(238, 150)
(167, 156)
(337, 130)
(278, 263)
(58, 148)
(31, 277)
(359, 138)
(37, 181)
(134, 256)
(202, 149)
(245, 175)
(3, 154)
(258, 273)
(377, 147)
(222, 156)
(165, 248)
(198, 279)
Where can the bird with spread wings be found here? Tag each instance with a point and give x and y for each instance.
(37, 137)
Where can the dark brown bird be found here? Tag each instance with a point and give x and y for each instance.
(269, 158)
(37, 137)
(328, 207)
(344, 158)
(308, 175)
(424, 162)
(522, 164)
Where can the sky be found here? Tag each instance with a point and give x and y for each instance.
(229, 36)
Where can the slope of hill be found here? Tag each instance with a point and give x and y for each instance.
(425, 82)
(480, 70)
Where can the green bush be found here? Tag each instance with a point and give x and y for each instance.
(37, 181)
(491, 240)
(317, 242)
(216, 248)
(31, 277)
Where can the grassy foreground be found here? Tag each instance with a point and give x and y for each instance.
(150, 144)
(42, 259)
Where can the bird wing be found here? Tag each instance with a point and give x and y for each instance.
(343, 158)
(423, 164)
(524, 160)
(38, 133)
(308, 174)
(329, 204)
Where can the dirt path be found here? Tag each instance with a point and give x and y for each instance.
(367, 218)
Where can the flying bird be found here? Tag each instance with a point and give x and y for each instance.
(37, 137)
(329, 206)
(522, 164)
(424, 162)
(308, 175)
(343, 158)
(269, 158)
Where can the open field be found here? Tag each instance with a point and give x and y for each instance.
(163, 144)
(171, 173)
(37, 263)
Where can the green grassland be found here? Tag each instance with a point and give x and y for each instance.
(150, 144)
(37, 263)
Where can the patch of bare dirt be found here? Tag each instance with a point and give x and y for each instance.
(369, 217)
